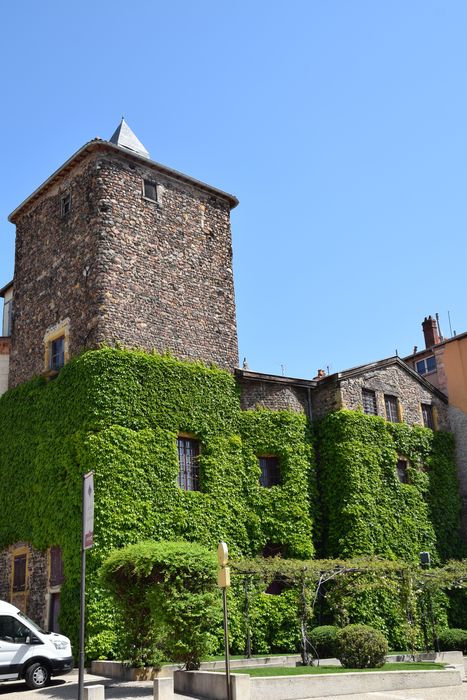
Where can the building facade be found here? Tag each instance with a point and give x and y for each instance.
(443, 363)
(117, 250)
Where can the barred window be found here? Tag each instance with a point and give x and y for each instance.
(270, 472)
(390, 403)
(369, 402)
(188, 460)
(428, 418)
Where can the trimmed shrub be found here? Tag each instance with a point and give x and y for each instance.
(168, 594)
(360, 646)
(323, 640)
(453, 639)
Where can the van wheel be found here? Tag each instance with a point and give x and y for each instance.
(37, 675)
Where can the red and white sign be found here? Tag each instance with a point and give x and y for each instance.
(88, 510)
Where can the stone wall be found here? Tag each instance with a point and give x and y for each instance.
(33, 601)
(166, 266)
(276, 396)
(393, 380)
(4, 363)
(122, 268)
(326, 398)
(56, 271)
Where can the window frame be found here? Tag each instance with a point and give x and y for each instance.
(424, 363)
(150, 184)
(428, 416)
(271, 475)
(369, 394)
(188, 478)
(54, 353)
(390, 402)
(51, 335)
(65, 204)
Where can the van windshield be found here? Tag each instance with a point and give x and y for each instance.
(32, 624)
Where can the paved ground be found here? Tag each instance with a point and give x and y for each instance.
(66, 688)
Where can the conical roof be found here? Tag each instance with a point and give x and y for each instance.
(125, 138)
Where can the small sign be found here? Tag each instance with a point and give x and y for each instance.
(88, 510)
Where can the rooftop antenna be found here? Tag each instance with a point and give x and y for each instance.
(449, 319)
(283, 368)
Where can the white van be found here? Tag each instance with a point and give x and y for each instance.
(29, 653)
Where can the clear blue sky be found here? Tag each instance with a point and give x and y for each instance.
(341, 125)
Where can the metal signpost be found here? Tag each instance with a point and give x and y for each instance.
(223, 581)
(87, 537)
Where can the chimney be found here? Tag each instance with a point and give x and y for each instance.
(430, 331)
(320, 375)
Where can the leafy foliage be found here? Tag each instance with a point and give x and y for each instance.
(168, 595)
(360, 646)
(324, 641)
(366, 509)
(453, 639)
(118, 413)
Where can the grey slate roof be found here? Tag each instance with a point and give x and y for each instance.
(124, 137)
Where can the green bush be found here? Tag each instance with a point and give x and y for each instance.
(453, 639)
(360, 646)
(169, 597)
(323, 640)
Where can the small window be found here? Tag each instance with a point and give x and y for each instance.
(427, 365)
(390, 403)
(369, 402)
(270, 473)
(19, 572)
(66, 204)
(7, 317)
(150, 190)
(427, 414)
(188, 460)
(401, 469)
(56, 566)
(57, 352)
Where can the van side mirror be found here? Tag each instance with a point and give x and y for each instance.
(34, 640)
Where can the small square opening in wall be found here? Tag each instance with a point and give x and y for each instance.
(150, 190)
(65, 204)
(401, 469)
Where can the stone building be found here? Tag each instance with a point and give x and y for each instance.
(115, 248)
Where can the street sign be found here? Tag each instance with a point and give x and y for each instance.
(88, 510)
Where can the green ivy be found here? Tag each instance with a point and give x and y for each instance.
(366, 509)
(118, 413)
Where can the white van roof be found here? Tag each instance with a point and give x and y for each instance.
(7, 608)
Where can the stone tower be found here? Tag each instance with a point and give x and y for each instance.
(115, 248)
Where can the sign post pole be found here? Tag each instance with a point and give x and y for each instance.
(223, 581)
(87, 535)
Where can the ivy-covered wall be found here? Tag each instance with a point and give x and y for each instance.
(119, 413)
(366, 508)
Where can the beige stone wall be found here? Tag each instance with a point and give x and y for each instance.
(395, 381)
